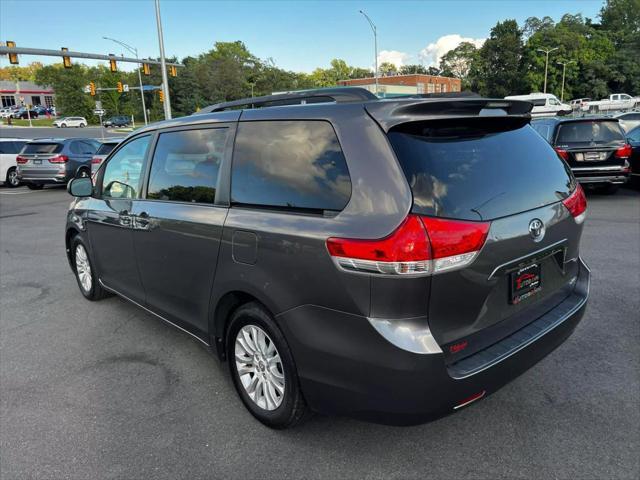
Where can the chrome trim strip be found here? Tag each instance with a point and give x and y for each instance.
(528, 255)
(151, 312)
(615, 168)
(541, 334)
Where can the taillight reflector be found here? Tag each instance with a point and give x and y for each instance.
(576, 203)
(21, 160)
(562, 152)
(624, 152)
(420, 245)
(469, 400)
(96, 160)
(59, 159)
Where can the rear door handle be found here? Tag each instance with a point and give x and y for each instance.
(142, 221)
(124, 219)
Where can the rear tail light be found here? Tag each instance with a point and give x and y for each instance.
(576, 203)
(21, 160)
(59, 159)
(624, 152)
(562, 152)
(419, 246)
(96, 160)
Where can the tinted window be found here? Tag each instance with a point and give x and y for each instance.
(122, 174)
(19, 146)
(186, 164)
(479, 169)
(42, 148)
(634, 134)
(589, 132)
(630, 116)
(291, 164)
(543, 129)
(81, 148)
(539, 102)
(7, 147)
(106, 148)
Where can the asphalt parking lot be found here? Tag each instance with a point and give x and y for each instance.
(105, 390)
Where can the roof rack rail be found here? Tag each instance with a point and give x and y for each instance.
(319, 95)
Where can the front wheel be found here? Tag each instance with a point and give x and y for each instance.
(85, 273)
(263, 369)
(12, 180)
(64, 125)
(82, 125)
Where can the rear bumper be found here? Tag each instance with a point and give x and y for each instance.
(39, 176)
(346, 367)
(614, 174)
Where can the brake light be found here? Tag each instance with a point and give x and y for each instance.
(21, 160)
(624, 152)
(562, 152)
(96, 160)
(576, 203)
(59, 159)
(420, 245)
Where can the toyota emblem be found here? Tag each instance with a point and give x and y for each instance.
(536, 229)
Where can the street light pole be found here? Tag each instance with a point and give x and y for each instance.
(546, 64)
(375, 46)
(564, 68)
(135, 52)
(165, 79)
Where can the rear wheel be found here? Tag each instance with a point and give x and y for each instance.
(82, 125)
(35, 186)
(263, 369)
(64, 125)
(82, 173)
(85, 273)
(12, 178)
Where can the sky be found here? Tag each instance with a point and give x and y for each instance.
(298, 35)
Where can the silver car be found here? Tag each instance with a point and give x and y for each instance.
(70, 122)
(103, 152)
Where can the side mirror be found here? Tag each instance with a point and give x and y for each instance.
(80, 187)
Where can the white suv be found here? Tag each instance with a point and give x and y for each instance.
(71, 122)
(9, 149)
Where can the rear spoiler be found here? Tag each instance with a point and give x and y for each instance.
(391, 113)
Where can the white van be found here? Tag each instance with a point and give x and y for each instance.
(544, 104)
(9, 149)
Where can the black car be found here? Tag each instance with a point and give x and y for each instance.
(55, 160)
(117, 121)
(594, 147)
(633, 137)
(392, 260)
(24, 114)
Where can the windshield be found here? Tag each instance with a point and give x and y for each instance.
(589, 132)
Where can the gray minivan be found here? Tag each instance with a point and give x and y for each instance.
(393, 260)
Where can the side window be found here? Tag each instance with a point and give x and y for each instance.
(6, 147)
(76, 147)
(634, 135)
(123, 172)
(18, 146)
(185, 165)
(289, 164)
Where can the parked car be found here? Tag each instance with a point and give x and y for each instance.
(633, 137)
(6, 112)
(394, 260)
(544, 104)
(580, 104)
(117, 121)
(70, 122)
(24, 114)
(55, 160)
(616, 101)
(594, 148)
(628, 120)
(103, 151)
(9, 148)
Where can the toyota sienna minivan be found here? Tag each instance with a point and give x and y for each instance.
(391, 260)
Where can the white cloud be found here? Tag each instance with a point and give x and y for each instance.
(432, 52)
(393, 56)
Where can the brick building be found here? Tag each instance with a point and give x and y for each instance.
(25, 93)
(392, 85)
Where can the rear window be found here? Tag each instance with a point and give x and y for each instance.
(589, 132)
(478, 169)
(106, 148)
(42, 148)
(295, 165)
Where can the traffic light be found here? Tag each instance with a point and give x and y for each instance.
(66, 61)
(119, 87)
(112, 64)
(173, 71)
(146, 69)
(161, 95)
(92, 89)
(13, 57)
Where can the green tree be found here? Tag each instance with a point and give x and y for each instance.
(412, 69)
(499, 60)
(387, 68)
(458, 62)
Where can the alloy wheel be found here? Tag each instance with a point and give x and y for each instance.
(259, 367)
(83, 268)
(12, 178)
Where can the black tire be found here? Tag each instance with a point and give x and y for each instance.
(83, 173)
(293, 408)
(95, 292)
(12, 178)
(35, 186)
(64, 125)
(82, 125)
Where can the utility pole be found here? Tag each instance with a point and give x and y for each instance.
(165, 79)
(375, 46)
(135, 52)
(564, 68)
(546, 64)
